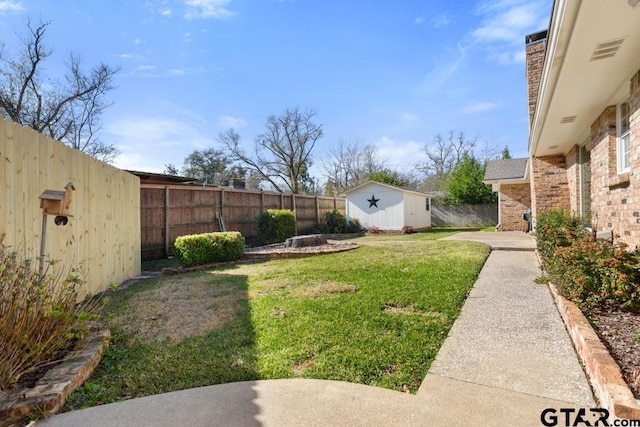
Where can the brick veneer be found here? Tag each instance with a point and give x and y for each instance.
(514, 199)
(535, 60)
(616, 197)
(549, 183)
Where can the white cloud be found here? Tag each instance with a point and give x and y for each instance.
(165, 12)
(436, 78)
(505, 24)
(154, 72)
(208, 9)
(227, 122)
(399, 155)
(419, 20)
(510, 24)
(478, 107)
(409, 117)
(124, 56)
(440, 21)
(148, 143)
(145, 67)
(137, 41)
(11, 6)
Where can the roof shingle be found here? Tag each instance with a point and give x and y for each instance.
(502, 169)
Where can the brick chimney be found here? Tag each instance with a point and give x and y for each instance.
(237, 183)
(536, 45)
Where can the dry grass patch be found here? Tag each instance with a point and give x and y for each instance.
(300, 367)
(271, 286)
(179, 308)
(321, 288)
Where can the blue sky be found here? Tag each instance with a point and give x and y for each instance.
(393, 73)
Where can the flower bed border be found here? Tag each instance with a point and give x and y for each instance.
(52, 390)
(603, 372)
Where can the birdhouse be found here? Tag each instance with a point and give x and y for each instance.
(55, 202)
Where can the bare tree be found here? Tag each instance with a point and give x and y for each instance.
(282, 154)
(69, 111)
(443, 155)
(350, 163)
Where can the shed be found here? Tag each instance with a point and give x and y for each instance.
(388, 207)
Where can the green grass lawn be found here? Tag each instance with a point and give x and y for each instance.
(376, 315)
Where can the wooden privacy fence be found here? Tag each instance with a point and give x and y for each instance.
(465, 215)
(169, 211)
(102, 235)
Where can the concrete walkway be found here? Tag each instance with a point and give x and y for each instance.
(506, 359)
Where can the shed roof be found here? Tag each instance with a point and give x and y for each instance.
(506, 169)
(394, 187)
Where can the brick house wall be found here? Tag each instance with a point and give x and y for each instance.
(514, 200)
(535, 50)
(549, 183)
(616, 197)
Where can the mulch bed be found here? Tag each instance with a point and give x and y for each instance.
(620, 332)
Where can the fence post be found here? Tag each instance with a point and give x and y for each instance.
(222, 226)
(295, 212)
(166, 221)
(317, 211)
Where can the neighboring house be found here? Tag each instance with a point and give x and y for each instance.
(388, 207)
(160, 178)
(510, 179)
(583, 79)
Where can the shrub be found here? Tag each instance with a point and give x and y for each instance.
(594, 274)
(591, 272)
(198, 249)
(374, 230)
(407, 229)
(40, 317)
(354, 226)
(276, 225)
(336, 222)
(556, 227)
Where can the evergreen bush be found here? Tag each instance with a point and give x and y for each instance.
(206, 248)
(591, 272)
(276, 225)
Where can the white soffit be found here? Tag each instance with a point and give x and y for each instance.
(592, 51)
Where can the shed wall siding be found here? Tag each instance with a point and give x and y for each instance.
(387, 216)
(416, 213)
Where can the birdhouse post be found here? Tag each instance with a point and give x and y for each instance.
(54, 202)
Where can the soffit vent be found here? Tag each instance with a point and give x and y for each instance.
(606, 49)
(568, 119)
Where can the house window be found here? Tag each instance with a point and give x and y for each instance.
(428, 204)
(624, 135)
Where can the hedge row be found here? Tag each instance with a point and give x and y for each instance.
(197, 249)
(591, 272)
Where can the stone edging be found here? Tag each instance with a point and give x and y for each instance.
(52, 390)
(604, 374)
(269, 252)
